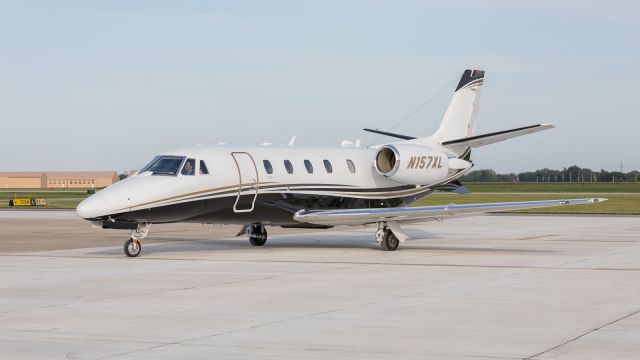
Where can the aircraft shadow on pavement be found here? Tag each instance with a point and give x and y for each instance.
(301, 241)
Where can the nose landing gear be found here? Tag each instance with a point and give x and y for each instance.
(132, 247)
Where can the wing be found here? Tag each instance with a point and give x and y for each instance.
(486, 139)
(422, 213)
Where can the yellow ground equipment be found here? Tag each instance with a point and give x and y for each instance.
(27, 202)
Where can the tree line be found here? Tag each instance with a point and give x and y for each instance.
(571, 174)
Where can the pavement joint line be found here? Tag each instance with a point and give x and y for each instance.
(269, 323)
(612, 253)
(536, 237)
(582, 335)
(342, 350)
(77, 257)
(77, 338)
(232, 331)
(593, 241)
(157, 292)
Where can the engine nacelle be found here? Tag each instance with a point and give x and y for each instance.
(416, 165)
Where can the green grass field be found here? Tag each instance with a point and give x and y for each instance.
(39, 193)
(554, 187)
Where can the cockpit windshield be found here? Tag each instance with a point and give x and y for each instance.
(164, 165)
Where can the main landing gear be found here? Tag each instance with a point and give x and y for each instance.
(257, 234)
(132, 247)
(387, 239)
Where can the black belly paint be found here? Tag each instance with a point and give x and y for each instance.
(275, 209)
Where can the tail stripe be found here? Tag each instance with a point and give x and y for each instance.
(469, 76)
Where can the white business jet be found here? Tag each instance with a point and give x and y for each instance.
(299, 187)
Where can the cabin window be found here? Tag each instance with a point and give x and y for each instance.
(351, 166)
(164, 165)
(327, 166)
(288, 166)
(203, 168)
(267, 166)
(189, 167)
(309, 166)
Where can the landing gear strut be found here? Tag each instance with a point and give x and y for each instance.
(132, 247)
(387, 239)
(257, 234)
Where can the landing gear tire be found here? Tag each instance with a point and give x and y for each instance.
(389, 241)
(257, 235)
(255, 241)
(132, 248)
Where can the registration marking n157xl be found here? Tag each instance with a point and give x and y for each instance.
(425, 162)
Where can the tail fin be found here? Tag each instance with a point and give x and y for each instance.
(457, 130)
(459, 120)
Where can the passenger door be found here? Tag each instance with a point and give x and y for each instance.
(248, 182)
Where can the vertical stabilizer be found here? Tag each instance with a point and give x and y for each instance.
(459, 120)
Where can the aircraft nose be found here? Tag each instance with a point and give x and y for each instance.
(91, 207)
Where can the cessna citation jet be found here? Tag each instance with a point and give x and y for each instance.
(317, 188)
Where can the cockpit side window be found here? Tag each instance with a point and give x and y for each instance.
(203, 168)
(164, 165)
(189, 167)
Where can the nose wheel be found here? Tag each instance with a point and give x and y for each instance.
(132, 247)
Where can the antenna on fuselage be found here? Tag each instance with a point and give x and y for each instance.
(292, 141)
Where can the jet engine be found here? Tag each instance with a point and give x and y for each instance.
(416, 165)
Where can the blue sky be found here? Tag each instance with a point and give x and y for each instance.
(101, 85)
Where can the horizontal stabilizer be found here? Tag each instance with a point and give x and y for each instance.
(399, 136)
(486, 139)
(423, 213)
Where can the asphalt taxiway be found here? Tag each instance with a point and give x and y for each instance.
(495, 287)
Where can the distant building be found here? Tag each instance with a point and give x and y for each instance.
(22, 180)
(57, 179)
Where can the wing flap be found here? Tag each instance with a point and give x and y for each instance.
(368, 216)
(487, 139)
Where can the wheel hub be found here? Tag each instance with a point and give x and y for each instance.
(134, 247)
